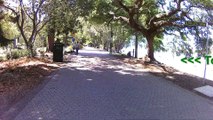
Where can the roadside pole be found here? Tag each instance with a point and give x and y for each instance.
(207, 51)
(206, 90)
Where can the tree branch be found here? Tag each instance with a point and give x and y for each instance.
(9, 8)
(28, 15)
(22, 18)
(166, 15)
(120, 2)
(40, 4)
(42, 26)
(122, 18)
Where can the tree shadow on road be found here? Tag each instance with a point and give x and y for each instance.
(102, 78)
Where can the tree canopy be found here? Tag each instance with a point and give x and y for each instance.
(8, 29)
(33, 15)
(151, 18)
(154, 17)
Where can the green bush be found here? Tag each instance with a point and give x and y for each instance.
(2, 58)
(17, 54)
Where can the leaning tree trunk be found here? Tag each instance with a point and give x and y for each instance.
(150, 41)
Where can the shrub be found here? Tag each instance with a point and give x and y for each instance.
(17, 54)
(3, 58)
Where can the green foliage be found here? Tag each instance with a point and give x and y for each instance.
(2, 58)
(158, 44)
(201, 46)
(121, 35)
(64, 15)
(179, 47)
(154, 17)
(203, 3)
(100, 13)
(100, 34)
(30, 18)
(9, 29)
(16, 53)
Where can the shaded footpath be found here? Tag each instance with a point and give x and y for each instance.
(96, 86)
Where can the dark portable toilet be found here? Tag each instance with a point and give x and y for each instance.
(58, 52)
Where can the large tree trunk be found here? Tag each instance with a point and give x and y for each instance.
(51, 37)
(30, 50)
(32, 54)
(150, 41)
(65, 39)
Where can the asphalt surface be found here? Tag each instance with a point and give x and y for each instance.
(97, 86)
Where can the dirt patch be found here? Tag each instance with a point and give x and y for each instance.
(19, 76)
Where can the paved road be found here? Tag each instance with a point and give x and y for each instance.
(95, 86)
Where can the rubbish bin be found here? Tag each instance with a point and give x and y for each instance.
(58, 52)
